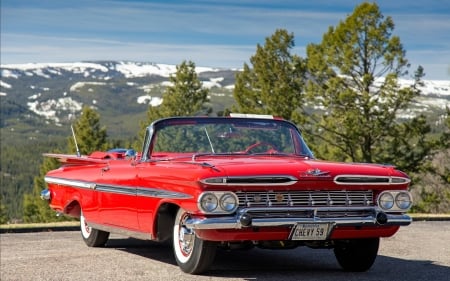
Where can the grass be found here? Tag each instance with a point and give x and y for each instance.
(430, 216)
(39, 225)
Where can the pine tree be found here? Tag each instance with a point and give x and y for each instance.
(431, 190)
(3, 213)
(90, 137)
(274, 84)
(185, 97)
(444, 141)
(355, 73)
(88, 132)
(36, 209)
(444, 145)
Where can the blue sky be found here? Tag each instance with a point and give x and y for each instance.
(209, 32)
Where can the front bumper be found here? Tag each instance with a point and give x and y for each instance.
(286, 217)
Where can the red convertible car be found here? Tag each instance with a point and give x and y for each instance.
(231, 182)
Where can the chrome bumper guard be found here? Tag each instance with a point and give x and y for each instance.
(244, 218)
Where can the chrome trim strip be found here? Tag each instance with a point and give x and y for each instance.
(366, 180)
(120, 189)
(266, 180)
(307, 209)
(233, 222)
(158, 193)
(124, 190)
(74, 183)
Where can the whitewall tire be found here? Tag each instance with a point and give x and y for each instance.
(193, 255)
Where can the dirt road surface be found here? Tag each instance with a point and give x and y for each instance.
(420, 251)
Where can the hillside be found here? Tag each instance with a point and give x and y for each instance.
(49, 97)
(44, 98)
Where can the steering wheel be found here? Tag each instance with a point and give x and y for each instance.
(272, 147)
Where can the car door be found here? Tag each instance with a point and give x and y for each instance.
(117, 196)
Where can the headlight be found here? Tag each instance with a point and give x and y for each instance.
(403, 200)
(395, 200)
(218, 202)
(386, 201)
(208, 202)
(228, 202)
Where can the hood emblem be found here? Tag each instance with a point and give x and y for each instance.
(315, 173)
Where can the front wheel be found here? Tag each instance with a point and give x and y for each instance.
(91, 236)
(193, 255)
(357, 254)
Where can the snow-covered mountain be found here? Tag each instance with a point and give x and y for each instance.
(57, 91)
(98, 70)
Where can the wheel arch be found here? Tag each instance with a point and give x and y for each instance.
(164, 219)
(73, 209)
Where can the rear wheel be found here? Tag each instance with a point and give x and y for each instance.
(356, 254)
(193, 255)
(91, 236)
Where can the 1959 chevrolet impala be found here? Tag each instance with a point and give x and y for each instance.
(233, 182)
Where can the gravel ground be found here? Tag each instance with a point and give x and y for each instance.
(420, 251)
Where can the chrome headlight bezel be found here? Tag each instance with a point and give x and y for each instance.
(208, 202)
(403, 200)
(228, 202)
(395, 200)
(386, 201)
(218, 202)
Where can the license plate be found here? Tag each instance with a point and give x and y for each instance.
(310, 231)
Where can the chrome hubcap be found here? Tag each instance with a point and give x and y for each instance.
(186, 240)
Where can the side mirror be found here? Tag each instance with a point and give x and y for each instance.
(130, 154)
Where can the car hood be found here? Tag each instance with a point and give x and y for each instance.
(297, 167)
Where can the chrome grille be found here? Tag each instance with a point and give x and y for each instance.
(333, 198)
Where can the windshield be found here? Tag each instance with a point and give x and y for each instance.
(200, 135)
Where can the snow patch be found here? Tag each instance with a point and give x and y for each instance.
(217, 80)
(50, 109)
(153, 101)
(130, 70)
(78, 85)
(213, 82)
(147, 88)
(435, 102)
(6, 73)
(34, 97)
(78, 67)
(5, 85)
(156, 101)
(166, 84)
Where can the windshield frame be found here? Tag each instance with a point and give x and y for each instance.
(300, 147)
